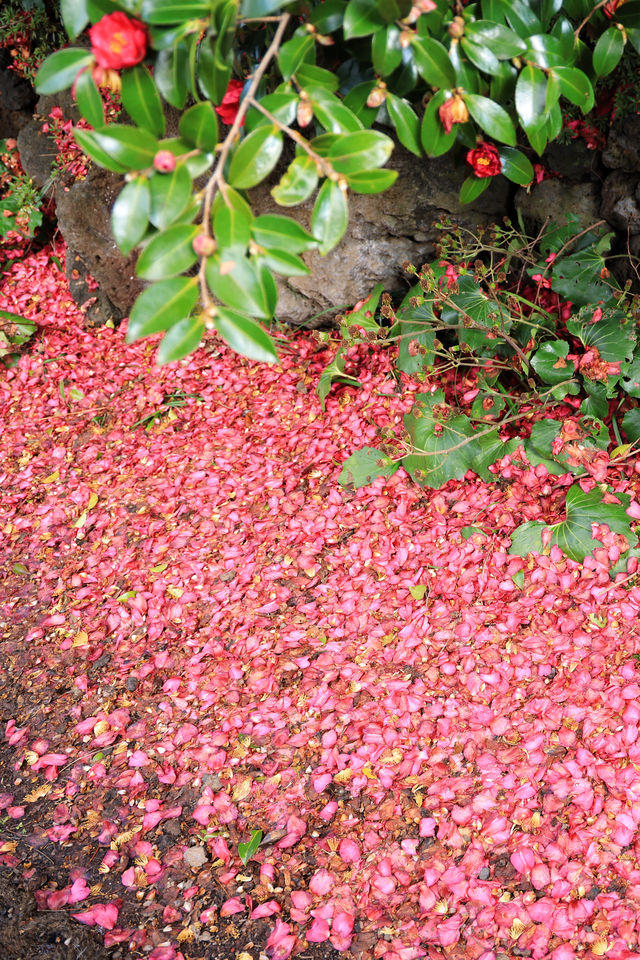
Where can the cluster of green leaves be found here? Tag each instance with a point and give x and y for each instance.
(508, 64)
(21, 201)
(523, 355)
(15, 331)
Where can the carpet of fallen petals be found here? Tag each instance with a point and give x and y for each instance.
(205, 635)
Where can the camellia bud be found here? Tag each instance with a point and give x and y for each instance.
(378, 95)
(204, 245)
(405, 39)
(304, 113)
(164, 161)
(324, 41)
(456, 27)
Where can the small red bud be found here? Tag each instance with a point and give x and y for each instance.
(164, 161)
(204, 246)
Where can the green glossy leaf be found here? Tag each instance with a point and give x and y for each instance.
(330, 216)
(473, 187)
(612, 333)
(372, 181)
(328, 16)
(245, 336)
(88, 99)
(596, 403)
(75, 16)
(334, 372)
(537, 135)
(60, 69)
(295, 52)
(241, 284)
(141, 100)
(171, 74)
(391, 10)
(515, 166)
(361, 18)
(258, 8)
(308, 75)
(416, 332)
(356, 101)
(575, 277)
(162, 305)
(574, 534)
(364, 466)
(522, 18)
(214, 70)
(356, 152)
(199, 126)
(633, 35)
(481, 57)
(281, 233)
(406, 122)
(86, 140)
(434, 140)
(130, 214)
(298, 183)
(286, 264)
(492, 118)
(608, 51)
(181, 340)
(232, 228)
(255, 157)
(169, 195)
(628, 14)
(502, 42)
(331, 112)
(386, 51)
(548, 51)
(531, 95)
(131, 147)
(433, 62)
(282, 105)
(575, 86)
(174, 11)
(363, 316)
(168, 253)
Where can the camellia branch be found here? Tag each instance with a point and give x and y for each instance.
(296, 137)
(216, 180)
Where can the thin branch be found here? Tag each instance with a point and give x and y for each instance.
(296, 137)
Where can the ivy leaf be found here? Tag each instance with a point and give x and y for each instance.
(364, 316)
(631, 382)
(613, 334)
(574, 534)
(573, 277)
(549, 361)
(334, 372)
(631, 424)
(415, 330)
(366, 465)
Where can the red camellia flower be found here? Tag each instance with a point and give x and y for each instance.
(228, 109)
(485, 160)
(117, 41)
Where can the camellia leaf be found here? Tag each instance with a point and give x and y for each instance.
(199, 126)
(168, 253)
(282, 233)
(241, 284)
(481, 57)
(575, 86)
(366, 465)
(500, 40)
(130, 214)
(433, 62)
(531, 95)
(232, 227)
(282, 105)
(372, 181)
(608, 51)
(141, 100)
(309, 75)
(298, 183)
(245, 336)
(247, 850)
(574, 534)
(60, 69)
(181, 340)
(87, 142)
(331, 112)
(162, 305)
(255, 157)
(492, 118)
(174, 11)
(434, 140)
(75, 16)
(169, 195)
(295, 52)
(286, 264)
(473, 187)
(406, 122)
(88, 99)
(386, 51)
(361, 18)
(356, 152)
(131, 147)
(171, 73)
(516, 166)
(330, 216)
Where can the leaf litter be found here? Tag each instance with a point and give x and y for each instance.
(348, 718)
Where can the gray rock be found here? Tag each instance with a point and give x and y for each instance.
(195, 857)
(621, 201)
(554, 199)
(16, 99)
(623, 145)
